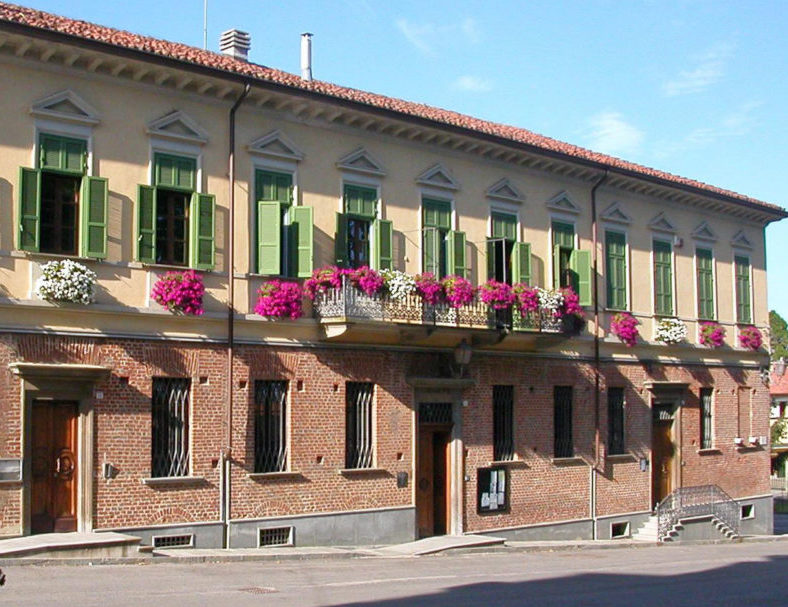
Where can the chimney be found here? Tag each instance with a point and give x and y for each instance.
(779, 367)
(306, 56)
(236, 44)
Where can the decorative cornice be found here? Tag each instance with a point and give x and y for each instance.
(505, 190)
(704, 232)
(438, 176)
(276, 145)
(740, 241)
(615, 214)
(361, 161)
(563, 202)
(661, 223)
(67, 106)
(178, 126)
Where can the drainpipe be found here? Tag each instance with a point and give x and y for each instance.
(595, 263)
(225, 460)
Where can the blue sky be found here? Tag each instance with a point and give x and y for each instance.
(694, 88)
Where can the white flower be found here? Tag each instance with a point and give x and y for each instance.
(65, 280)
(550, 301)
(399, 284)
(671, 331)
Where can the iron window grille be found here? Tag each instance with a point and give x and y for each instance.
(435, 413)
(358, 424)
(270, 427)
(562, 412)
(170, 432)
(705, 418)
(503, 423)
(615, 421)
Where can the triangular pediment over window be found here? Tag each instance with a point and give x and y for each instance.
(178, 126)
(439, 177)
(704, 232)
(505, 190)
(277, 145)
(361, 161)
(615, 214)
(564, 203)
(67, 106)
(740, 241)
(661, 223)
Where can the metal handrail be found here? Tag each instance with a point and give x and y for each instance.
(702, 500)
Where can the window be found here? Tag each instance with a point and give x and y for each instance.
(562, 415)
(571, 267)
(706, 418)
(170, 431)
(284, 231)
(615, 421)
(705, 268)
(743, 313)
(270, 426)
(492, 490)
(62, 210)
(503, 423)
(361, 238)
(175, 223)
(616, 270)
(663, 278)
(358, 424)
(443, 249)
(508, 261)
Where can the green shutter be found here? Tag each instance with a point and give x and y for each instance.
(176, 172)
(431, 250)
(521, 263)
(743, 312)
(705, 269)
(556, 266)
(384, 241)
(63, 154)
(301, 230)
(490, 259)
(504, 225)
(29, 208)
(340, 241)
(580, 263)
(663, 278)
(269, 236)
(146, 223)
(360, 201)
(616, 270)
(456, 249)
(93, 210)
(202, 230)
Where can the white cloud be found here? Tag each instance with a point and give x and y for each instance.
(472, 84)
(609, 133)
(426, 36)
(707, 69)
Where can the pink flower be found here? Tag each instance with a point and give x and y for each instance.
(280, 299)
(322, 280)
(571, 303)
(750, 337)
(498, 295)
(526, 298)
(366, 279)
(180, 292)
(625, 327)
(712, 334)
(429, 288)
(458, 291)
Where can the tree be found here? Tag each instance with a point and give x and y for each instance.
(779, 335)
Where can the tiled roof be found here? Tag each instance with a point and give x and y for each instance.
(778, 384)
(188, 54)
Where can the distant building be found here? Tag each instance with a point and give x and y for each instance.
(778, 388)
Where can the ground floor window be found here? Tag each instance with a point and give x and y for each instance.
(562, 408)
(358, 424)
(270, 429)
(503, 423)
(615, 421)
(170, 432)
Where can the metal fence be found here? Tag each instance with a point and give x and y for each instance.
(689, 502)
(779, 483)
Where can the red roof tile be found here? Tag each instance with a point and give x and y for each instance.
(181, 52)
(778, 383)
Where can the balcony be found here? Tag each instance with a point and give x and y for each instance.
(349, 315)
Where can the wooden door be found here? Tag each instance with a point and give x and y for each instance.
(54, 467)
(662, 450)
(432, 485)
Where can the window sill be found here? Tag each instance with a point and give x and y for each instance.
(262, 476)
(361, 471)
(36, 255)
(511, 463)
(568, 461)
(621, 457)
(159, 481)
(710, 451)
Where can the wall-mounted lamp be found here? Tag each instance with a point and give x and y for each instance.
(462, 356)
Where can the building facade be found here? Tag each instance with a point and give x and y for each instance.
(362, 422)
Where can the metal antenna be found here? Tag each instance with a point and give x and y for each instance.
(205, 25)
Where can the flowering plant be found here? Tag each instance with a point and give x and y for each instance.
(65, 280)
(399, 284)
(571, 303)
(180, 292)
(278, 299)
(671, 331)
(712, 334)
(526, 298)
(458, 291)
(322, 280)
(498, 295)
(625, 327)
(750, 337)
(429, 288)
(551, 302)
(365, 278)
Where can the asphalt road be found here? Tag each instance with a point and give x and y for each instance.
(699, 575)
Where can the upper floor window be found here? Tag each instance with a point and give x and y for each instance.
(742, 270)
(62, 210)
(436, 226)
(704, 261)
(362, 239)
(508, 260)
(563, 245)
(616, 270)
(175, 222)
(663, 278)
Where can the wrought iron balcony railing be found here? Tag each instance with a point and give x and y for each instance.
(351, 303)
(703, 500)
